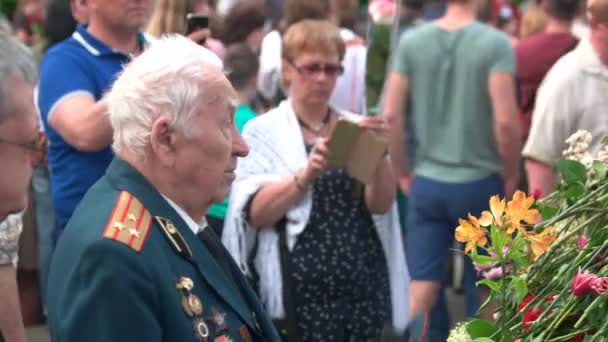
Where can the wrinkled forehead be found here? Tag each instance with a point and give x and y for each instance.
(220, 92)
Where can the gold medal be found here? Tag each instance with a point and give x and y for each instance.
(185, 283)
(186, 306)
(195, 304)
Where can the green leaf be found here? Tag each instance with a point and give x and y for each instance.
(548, 211)
(487, 302)
(483, 339)
(600, 169)
(493, 285)
(479, 328)
(575, 190)
(520, 287)
(571, 171)
(604, 140)
(482, 259)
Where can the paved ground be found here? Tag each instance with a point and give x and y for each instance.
(456, 302)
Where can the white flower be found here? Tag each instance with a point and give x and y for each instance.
(459, 334)
(578, 146)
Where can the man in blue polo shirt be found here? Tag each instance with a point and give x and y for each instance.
(74, 75)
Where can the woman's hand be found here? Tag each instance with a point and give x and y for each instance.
(317, 161)
(200, 36)
(376, 124)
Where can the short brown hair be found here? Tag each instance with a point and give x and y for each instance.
(242, 19)
(297, 10)
(241, 65)
(312, 36)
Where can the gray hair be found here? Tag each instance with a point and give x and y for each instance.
(165, 80)
(16, 62)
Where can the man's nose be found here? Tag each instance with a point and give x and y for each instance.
(239, 146)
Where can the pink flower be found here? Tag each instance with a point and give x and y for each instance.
(482, 267)
(382, 11)
(582, 242)
(600, 285)
(537, 194)
(581, 284)
(493, 274)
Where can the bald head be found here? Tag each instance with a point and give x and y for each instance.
(597, 12)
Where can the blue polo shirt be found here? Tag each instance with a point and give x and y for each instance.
(79, 66)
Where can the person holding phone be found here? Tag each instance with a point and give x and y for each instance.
(188, 17)
(325, 267)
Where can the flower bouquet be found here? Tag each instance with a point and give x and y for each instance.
(545, 261)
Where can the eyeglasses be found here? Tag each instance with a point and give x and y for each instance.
(310, 70)
(38, 144)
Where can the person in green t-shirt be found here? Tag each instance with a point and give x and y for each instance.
(455, 77)
(241, 64)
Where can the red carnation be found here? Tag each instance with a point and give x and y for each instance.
(599, 285)
(531, 315)
(581, 284)
(582, 242)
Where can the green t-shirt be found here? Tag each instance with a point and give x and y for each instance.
(243, 114)
(447, 75)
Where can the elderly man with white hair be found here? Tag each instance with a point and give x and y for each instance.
(137, 261)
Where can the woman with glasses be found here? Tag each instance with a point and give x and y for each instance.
(305, 232)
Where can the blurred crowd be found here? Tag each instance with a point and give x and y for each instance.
(473, 97)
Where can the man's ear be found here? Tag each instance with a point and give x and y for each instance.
(163, 142)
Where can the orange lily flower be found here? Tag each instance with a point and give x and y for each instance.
(497, 209)
(518, 210)
(539, 243)
(471, 233)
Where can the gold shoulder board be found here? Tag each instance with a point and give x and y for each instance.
(129, 222)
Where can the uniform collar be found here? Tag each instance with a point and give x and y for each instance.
(98, 48)
(195, 227)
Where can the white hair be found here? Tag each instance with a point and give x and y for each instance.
(165, 80)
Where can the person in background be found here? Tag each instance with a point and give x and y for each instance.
(467, 142)
(245, 23)
(571, 97)
(535, 55)
(60, 24)
(324, 270)
(169, 16)
(137, 261)
(241, 65)
(269, 76)
(72, 110)
(533, 21)
(349, 93)
(20, 148)
(29, 20)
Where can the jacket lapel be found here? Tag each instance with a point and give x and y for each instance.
(125, 177)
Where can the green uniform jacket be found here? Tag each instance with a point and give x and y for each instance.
(117, 266)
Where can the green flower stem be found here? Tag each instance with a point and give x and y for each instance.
(592, 306)
(560, 319)
(601, 333)
(563, 238)
(569, 336)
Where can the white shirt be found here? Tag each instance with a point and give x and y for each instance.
(348, 94)
(573, 96)
(195, 227)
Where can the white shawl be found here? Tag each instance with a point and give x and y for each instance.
(277, 151)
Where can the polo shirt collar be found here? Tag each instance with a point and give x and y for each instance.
(96, 47)
(589, 61)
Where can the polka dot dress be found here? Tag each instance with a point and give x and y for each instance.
(338, 267)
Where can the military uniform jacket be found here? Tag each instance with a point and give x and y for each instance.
(128, 268)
